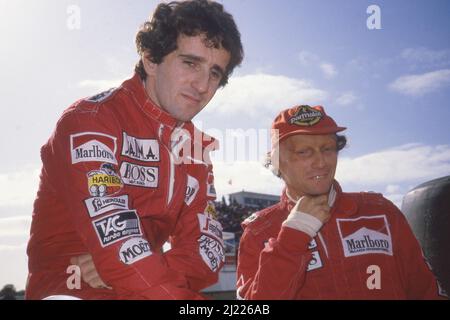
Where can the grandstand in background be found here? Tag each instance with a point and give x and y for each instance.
(241, 206)
(253, 199)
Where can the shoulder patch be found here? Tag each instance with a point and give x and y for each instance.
(250, 219)
(101, 96)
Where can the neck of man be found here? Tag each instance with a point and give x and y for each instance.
(294, 197)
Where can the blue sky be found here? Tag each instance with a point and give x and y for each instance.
(390, 87)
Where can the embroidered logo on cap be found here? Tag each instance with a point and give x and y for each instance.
(306, 116)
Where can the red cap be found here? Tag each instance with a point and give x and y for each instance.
(303, 120)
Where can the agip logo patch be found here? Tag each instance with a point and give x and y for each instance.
(306, 116)
(365, 235)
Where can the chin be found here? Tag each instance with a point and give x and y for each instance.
(319, 190)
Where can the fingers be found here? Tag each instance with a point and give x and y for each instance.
(89, 273)
(317, 206)
(84, 258)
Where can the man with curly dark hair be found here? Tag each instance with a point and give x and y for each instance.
(125, 171)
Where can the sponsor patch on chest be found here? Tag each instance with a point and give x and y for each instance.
(146, 150)
(365, 235)
(192, 188)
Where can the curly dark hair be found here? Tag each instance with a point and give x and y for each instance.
(191, 18)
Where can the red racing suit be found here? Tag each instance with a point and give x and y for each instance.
(119, 179)
(365, 251)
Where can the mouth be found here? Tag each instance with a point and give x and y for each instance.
(191, 99)
(319, 177)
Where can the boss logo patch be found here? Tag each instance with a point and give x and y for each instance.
(140, 176)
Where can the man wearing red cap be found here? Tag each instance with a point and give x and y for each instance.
(319, 242)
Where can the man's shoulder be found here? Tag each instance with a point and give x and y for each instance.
(97, 103)
(99, 108)
(262, 219)
(372, 202)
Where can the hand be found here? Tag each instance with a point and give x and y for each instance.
(316, 206)
(89, 273)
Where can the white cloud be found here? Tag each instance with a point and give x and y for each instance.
(329, 70)
(15, 226)
(307, 58)
(14, 267)
(259, 93)
(14, 234)
(408, 163)
(426, 57)
(418, 85)
(19, 188)
(345, 99)
(100, 85)
(392, 188)
(249, 176)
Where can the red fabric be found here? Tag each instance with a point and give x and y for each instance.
(158, 185)
(302, 120)
(273, 260)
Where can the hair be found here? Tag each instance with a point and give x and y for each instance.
(158, 37)
(341, 142)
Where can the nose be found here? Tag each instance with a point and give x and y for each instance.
(201, 82)
(319, 160)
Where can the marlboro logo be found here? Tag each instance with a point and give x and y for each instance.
(365, 235)
(93, 146)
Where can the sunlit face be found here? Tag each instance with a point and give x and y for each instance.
(307, 163)
(187, 78)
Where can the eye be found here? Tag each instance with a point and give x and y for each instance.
(189, 63)
(329, 149)
(304, 152)
(217, 76)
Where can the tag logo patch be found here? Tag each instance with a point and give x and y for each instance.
(93, 146)
(117, 226)
(365, 235)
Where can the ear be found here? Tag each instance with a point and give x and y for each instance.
(149, 66)
(275, 161)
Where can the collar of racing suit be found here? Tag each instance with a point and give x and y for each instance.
(168, 129)
(340, 202)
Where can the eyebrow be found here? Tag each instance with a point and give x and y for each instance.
(215, 67)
